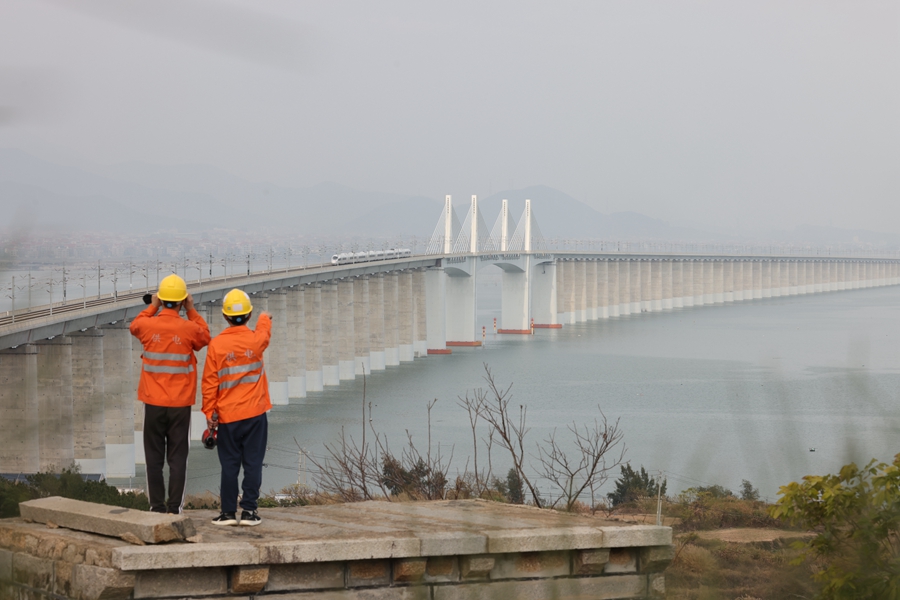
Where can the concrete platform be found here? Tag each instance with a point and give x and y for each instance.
(369, 550)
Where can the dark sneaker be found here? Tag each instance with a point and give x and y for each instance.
(250, 518)
(225, 519)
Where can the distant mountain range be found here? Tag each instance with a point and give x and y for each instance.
(142, 198)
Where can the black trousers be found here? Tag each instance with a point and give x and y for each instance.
(167, 438)
(242, 443)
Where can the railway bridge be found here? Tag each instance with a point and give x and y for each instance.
(69, 372)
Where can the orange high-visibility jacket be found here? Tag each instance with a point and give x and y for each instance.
(234, 376)
(169, 369)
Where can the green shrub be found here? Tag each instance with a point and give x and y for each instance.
(68, 483)
(632, 485)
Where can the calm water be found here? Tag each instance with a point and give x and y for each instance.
(708, 395)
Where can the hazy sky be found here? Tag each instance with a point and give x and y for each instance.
(726, 113)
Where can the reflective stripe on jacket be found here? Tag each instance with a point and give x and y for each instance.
(234, 376)
(169, 366)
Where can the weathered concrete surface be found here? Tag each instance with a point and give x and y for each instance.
(362, 551)
(150, 528)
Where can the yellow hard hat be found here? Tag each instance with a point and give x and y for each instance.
(172, 289)
(236, 303)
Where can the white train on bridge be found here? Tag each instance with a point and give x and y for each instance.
(347, 258)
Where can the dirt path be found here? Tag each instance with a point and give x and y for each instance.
(749, 535)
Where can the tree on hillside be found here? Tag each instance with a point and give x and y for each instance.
(632, 485)
(857, 515)
(748, 492)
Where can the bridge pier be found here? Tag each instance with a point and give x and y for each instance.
(544, 295)
(296, 343)
(405, 315)
(579, 271)
(646, 293)
(55, 398)
(88, 419)
(362, 359)
(590, 291)
(275, 356)
(346, 334)
(612, 287)
(392, 335)
(677, 284)
(668, 270)
(718, 282)
(436, 309)
(312, 304)
(687, 282)
(602, 289)
(625, 287)
(420, 310)
(119, 390)
(330, 318)
(19, 416)
(737, 278)
(377, 358)
(461, 303)
(636, 286)
(656, 285)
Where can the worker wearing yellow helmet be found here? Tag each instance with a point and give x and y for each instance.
(168, 386)
(235, 402)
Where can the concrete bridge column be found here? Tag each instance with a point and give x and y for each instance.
(696, 289)
(580, 308)
(894, 273)
(678, 283)
(775, 273)
(405, 314)
(755, 279)
(855, 275)
(612, 287)
(840, 281)
(544, 295)
(637, 286)
(420, 306)
(625, 287)
(391, 333)
(817, 277)
(346, 333)
(362, 360)
(275, 356)
(137, 407)
(55, 398)
(882, 273)
(687, 282)
(646, 285)
(436, 298)
(19, 415)
(668, 274)
(718, 281)
(828, 276)
(296, 344)
(792, 278)
(461, 308)
(330, 332)
(376, 322)
(870, 274)
(655, 285)
(569, 292)
(119, 391)
(312, 304)
(260, 301)
(766, 278)
(88, 427)
(590, 290)
(802, 275)
(708, 293)
(560, 292)
(728, 280)
(602, 289)
(737, 279)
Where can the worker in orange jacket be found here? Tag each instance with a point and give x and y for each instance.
(168, 387)
(235, 402)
